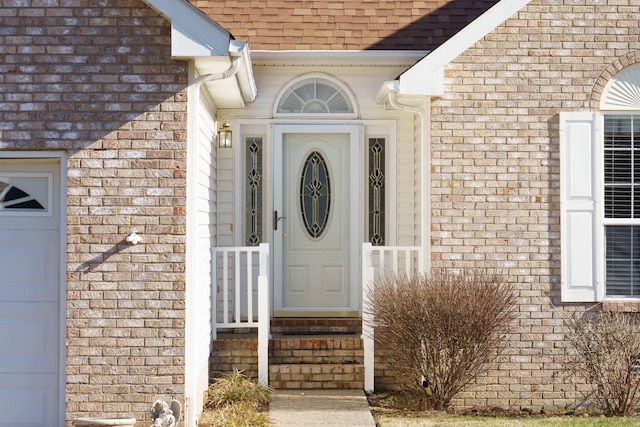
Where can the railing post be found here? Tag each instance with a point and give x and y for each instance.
(264, 317)
(214, 293)
(368, 275)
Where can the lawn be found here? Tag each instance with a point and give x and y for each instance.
(461, 421)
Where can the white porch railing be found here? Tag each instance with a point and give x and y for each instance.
(377, 261)
(240, 298)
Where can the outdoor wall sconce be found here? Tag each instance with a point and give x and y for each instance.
(224, 136)
(133, 239)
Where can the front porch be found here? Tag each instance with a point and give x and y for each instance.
(294, 352)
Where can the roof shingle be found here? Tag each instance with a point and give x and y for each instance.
(343, 24)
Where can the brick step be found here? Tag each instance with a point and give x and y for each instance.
(316, 362)
(316, 350)
(316, 376)
(234, 351)
(316, 326)
(297, 362)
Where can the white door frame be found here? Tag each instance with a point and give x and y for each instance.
(355, 226)
(62, 313)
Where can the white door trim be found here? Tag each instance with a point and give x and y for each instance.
(61, 207)
(355, 229)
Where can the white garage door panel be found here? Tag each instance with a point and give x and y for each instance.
(41, 394)
(32, 331)
(30, 265)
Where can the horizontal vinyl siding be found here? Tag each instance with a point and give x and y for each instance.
(205, 240)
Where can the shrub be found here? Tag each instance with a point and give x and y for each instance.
(233, 400)
(444, 329)
(607, 351)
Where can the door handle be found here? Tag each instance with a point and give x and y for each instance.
(276, 218)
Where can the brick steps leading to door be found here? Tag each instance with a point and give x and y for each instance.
(303, 354)
(316, 362)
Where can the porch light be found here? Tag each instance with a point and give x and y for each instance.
(224, 136)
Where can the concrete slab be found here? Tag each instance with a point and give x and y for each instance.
(320, 408)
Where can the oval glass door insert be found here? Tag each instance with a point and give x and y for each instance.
(315, 194)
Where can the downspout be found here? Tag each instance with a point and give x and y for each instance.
(392, 97)
(229, 72)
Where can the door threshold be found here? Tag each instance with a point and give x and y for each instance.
(317, 314)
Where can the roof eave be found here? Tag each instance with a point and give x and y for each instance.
(426, 77)
(193, 34)
(195, 37)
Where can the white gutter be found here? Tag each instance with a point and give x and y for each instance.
(195, 36)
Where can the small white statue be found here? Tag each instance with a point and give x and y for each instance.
(163, 415)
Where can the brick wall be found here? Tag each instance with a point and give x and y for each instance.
(94, 78)
(229, 354)
(495, 195)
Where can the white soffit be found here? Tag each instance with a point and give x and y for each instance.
(622, 93)
(426, 78)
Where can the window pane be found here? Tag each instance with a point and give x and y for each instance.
(623, 260)
(617, 132)
(376, 226)
(315, 194)
(253, 191)
(622, 166)
(315, 96)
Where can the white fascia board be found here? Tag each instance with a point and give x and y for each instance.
(426, 77)
(193, 34)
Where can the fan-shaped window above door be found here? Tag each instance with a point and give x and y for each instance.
(315, 96)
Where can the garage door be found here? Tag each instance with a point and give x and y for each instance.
(29, 293)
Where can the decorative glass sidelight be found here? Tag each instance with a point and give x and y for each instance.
(315, 194)
(254, 189)
(376, 178)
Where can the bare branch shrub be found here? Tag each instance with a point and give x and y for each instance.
(607, 346)
(445, 328)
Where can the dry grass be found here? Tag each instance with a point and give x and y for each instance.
(394, 409)
(236, 401)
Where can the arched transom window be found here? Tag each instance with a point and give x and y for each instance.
(315, 96)
(623, 91)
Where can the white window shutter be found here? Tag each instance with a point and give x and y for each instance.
(580, 235)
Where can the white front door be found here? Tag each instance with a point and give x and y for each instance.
(29, 293)
(316, 220)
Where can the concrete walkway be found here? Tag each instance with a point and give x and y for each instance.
(320, 408)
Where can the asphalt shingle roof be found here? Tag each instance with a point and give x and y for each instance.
(343, 24)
